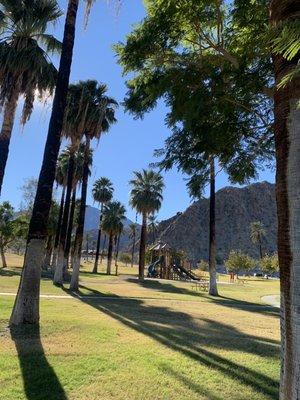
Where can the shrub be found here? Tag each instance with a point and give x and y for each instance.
(269, 264)
(237, 260)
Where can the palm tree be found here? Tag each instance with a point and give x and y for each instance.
(102, 193)
(117, 243)
(25, 67)
(257, 232)
(77, 178)
(73, 157)
(68, 158)
(61, 179)
(26, 306)
(103, 248)
(287, 141)
(132, 236)
(213, 288)
(112, 225)
(146, 198)
(89, 113)
(52, 224)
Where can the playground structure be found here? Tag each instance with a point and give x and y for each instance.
(167, 263)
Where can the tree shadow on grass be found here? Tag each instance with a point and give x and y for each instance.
(92, 274)
(188, 383)
(197, 339)
(39, 378)
(164, 287)
(244, 305)
(9, 272)
(46, 275)
(220, 300)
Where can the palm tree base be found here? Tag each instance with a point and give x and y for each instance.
(26, 307)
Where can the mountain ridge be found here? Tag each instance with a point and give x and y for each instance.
(236, 208)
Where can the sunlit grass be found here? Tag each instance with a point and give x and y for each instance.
(156, 340)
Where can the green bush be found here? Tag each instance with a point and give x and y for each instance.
(269, 264)
(237, 260)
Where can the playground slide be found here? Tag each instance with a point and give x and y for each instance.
(152, 273)
(184, 273)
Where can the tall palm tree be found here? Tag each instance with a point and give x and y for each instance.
(25, 67)
(68, 158)
(80, 222)
(132, 235)
(52, 224)
(117, 243)
(213, 288)
(61, 179)
(73, 156)
(77, 178)
(257, 232)
(112, 225)
(90, 113)
(26, 306)
(145, 197)
(103, 248)
(102, 194)
(287, 141)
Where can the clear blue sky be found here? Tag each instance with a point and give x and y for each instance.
(130, 143)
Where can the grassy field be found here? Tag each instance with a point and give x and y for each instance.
(121, 339)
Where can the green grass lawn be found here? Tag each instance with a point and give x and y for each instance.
(157, 340)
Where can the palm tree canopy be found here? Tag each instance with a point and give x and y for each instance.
(79, 162)
(89, 111)
(102, 190)
(63, 162)
(25, 46)
(153, 223)
(62, 169)
(146, 193)
(113, 217)
(257, 231)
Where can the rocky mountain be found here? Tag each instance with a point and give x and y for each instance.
(92, 215)
(236, 208)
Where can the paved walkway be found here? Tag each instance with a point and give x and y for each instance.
(272, 300)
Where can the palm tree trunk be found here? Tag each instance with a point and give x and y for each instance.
(6, 130)
(142, 252)
(133, 248)
(117, 250)
(80, 226)
(103, 249)
(70, 227)
(26, 307)
(260, 249)
(95, 269)
(287, 141)
(61, 262)
(57, 234)
(213, 289)
(109, 254)
(3, 259)
(49, 248)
